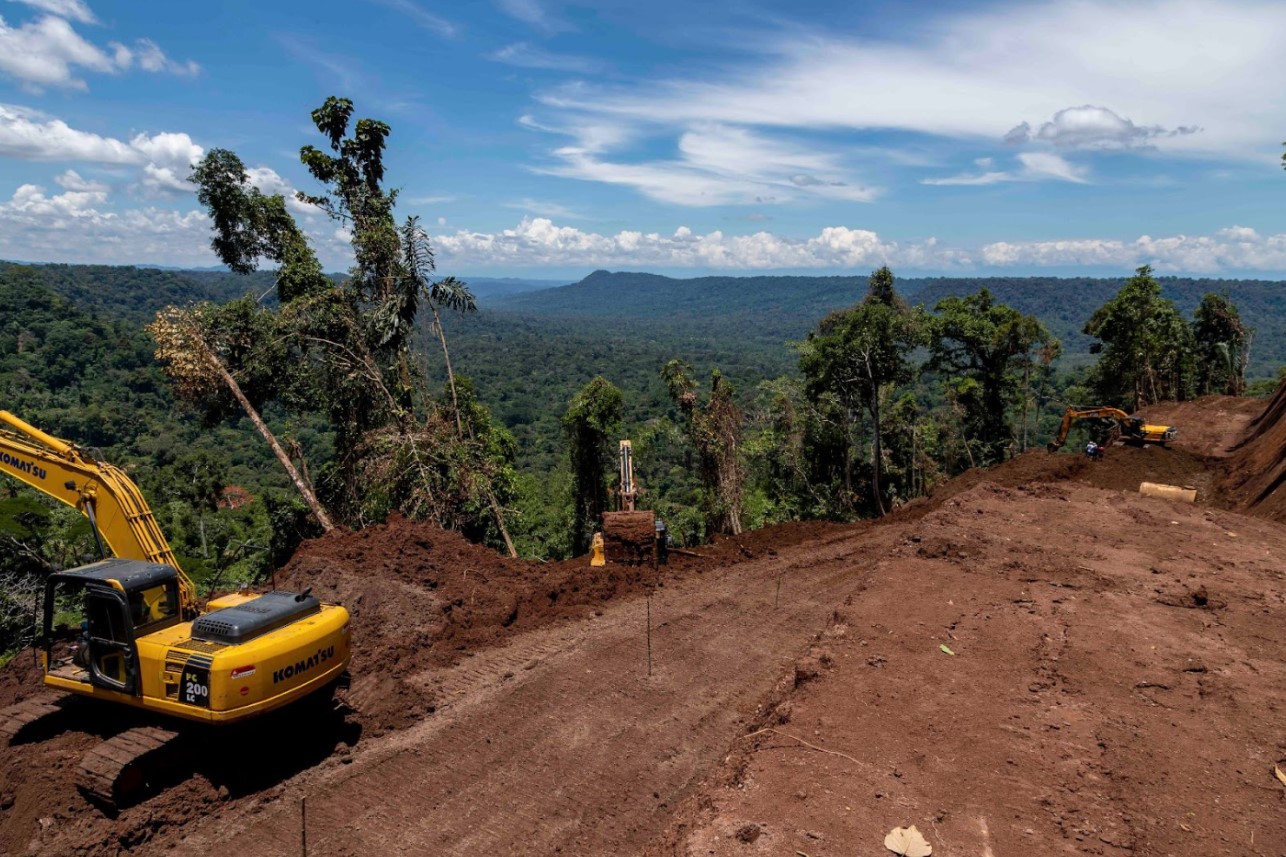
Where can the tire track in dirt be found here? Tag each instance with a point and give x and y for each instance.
(589, 753)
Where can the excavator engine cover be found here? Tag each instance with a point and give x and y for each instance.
(254, 618)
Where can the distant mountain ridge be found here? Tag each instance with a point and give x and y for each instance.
(781, 309)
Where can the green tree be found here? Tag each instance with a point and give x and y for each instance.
(592, 421)
(858, 352)
(347, 344)
(1147, 351)
(1222, 346)
(714, 429)
(993, 346)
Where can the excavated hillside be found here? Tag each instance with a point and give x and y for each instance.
(1034, 660)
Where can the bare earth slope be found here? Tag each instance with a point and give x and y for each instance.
(1115, 686)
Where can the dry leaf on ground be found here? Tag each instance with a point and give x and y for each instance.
(907, 841)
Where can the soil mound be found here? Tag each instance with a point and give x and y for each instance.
(1257, 466)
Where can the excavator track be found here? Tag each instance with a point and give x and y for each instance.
(17, 721)
(128, 767)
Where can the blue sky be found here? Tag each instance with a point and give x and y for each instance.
(547, 139)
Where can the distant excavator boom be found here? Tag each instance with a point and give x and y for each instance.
(627, 491)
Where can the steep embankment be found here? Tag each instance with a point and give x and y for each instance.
(1257, 467)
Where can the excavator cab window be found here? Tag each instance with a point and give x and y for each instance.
(155, 607)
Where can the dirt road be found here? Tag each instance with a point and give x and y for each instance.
(560, 741)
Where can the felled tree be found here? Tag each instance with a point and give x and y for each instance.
(714, 429)
(592, 421)
(190, 346)
(350, 340)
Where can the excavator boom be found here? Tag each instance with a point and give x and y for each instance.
(1131, 427)
(100, 491)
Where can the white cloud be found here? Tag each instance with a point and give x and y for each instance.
(151, 58)
(49, 52)
(165, 179)
(1167, 64)
(549, 209)
(72, 10)
(269, 182)
(30, 135)
(45, 52)
(525, 55)
(426, 200)
(1236, 248)
(533, 13)
(1090, 127)
(423, 18)
(717, 165)
(1033, 166)
(537, 242)
(166, 159)
(72, 180)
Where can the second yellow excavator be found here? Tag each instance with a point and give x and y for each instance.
(1129, 427)
(129, 629)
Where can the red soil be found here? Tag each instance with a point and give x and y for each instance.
(1117, 685)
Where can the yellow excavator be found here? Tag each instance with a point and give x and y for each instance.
(1129, 427)
(129, 629)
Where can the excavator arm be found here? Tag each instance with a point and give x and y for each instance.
(100, 491)
(1130, 426)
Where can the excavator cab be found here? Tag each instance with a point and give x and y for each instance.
(119, 600)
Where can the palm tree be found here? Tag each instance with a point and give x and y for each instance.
(447, 293)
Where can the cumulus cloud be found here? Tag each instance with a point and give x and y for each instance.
(72, 180)
(539, 242)
(269, 182)
(1090, 127)
(1236, 248)
(165, 158)
(49, 52)
(45, 53)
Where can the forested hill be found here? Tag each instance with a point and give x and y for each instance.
(135, 294)
(635, 296)
(780, 309)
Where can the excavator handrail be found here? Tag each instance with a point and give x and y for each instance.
(100, 491)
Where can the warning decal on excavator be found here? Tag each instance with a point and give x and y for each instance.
(194, 688)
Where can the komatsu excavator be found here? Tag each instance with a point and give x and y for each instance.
(129, 629)
(1129, 427)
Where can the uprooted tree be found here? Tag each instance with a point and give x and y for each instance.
(341, 347)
